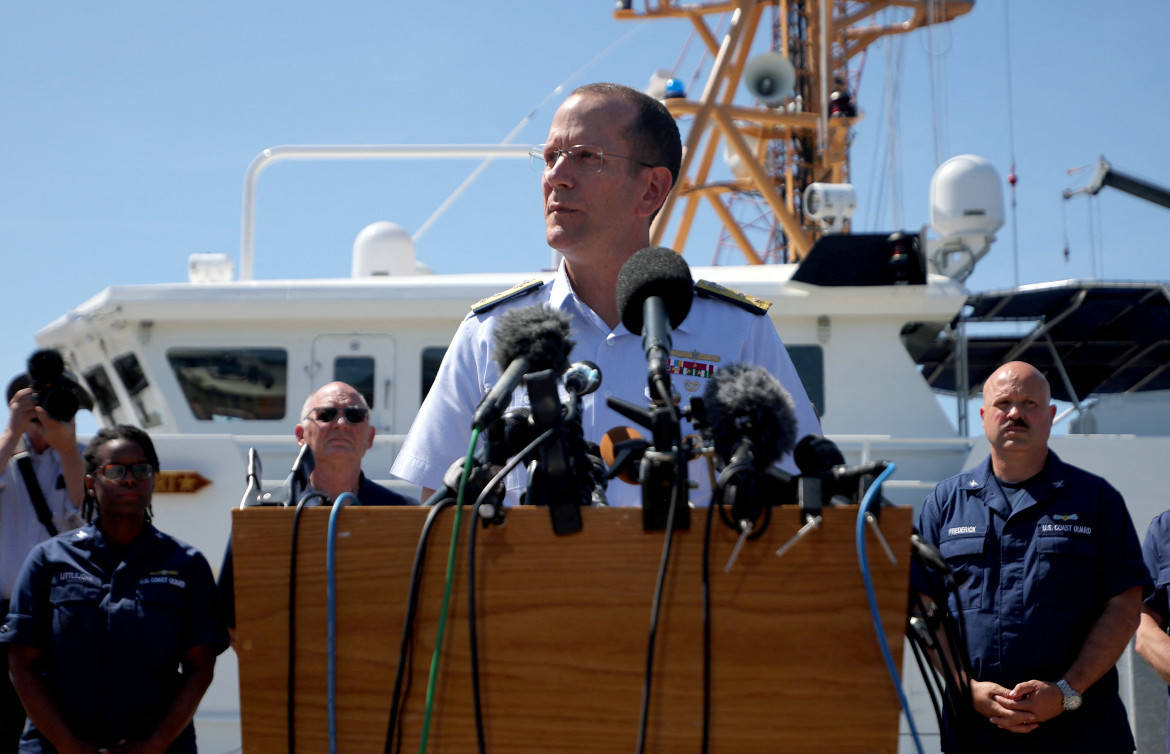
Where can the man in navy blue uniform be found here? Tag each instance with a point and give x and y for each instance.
(1153, 643)
(1050, 579)
(335, 424)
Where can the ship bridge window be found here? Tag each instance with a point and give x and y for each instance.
(134, 380)
(232, 384)
(103, 392)
(432, 357)
(358, 373)
(810, 365)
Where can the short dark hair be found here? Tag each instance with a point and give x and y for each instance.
(653, 133)
(107, 435)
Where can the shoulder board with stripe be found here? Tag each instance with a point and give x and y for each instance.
(714, 290)
(483, 305)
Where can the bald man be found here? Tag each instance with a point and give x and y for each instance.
(1050, 580)
(335, 424)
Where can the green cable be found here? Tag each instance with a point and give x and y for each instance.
(467, 466)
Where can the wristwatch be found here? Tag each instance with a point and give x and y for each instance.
(1072, 697)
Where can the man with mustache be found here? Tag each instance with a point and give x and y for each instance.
(1049, 578)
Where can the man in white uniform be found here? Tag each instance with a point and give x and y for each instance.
(612, 156)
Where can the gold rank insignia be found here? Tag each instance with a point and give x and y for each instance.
(481, 306)
(714, 290)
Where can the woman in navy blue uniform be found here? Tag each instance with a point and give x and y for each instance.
(114, 628)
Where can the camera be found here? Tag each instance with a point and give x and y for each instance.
(55, 392)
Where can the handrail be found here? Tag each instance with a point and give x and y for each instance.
(351, 152)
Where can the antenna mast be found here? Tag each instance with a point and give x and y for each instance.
(794, 133)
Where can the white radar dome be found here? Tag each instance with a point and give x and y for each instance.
(383, 248)
(966, 197)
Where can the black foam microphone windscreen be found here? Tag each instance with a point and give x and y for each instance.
(747, 402)
(654, 271)
(816, 455)
(528, 339)
(538, 333)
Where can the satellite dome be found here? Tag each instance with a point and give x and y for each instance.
(966, 197)
(383, 248)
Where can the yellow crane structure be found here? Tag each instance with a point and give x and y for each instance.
(797, 132)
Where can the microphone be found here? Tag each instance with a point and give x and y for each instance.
(750, 415)
(816, 455)
(526, 339)
(582, 378)
(930, 554)
(654, 295)
(505, 437)
(820, 457)
(751, 422)
(847, 474)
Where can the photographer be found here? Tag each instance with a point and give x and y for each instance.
(41, 487)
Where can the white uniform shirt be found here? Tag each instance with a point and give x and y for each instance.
(716, 333)
(20, 530)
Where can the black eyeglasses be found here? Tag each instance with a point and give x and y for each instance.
(116, 472)
(353, 414)
(584, 158)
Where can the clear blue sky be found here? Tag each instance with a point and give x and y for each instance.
(126, 128)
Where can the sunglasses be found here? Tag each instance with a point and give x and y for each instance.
(116, 472)
(328, 414)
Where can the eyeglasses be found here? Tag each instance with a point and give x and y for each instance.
(116, 472)
(583, 158)
(353, 414)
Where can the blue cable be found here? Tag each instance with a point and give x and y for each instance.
(870, 496)
(331, 636)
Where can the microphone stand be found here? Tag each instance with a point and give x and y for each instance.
(552, 480)
(664, 465)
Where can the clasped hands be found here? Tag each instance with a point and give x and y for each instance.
(1021, 709)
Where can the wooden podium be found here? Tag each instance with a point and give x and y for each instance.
(563, 625)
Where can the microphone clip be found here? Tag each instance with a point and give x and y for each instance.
(289, 493)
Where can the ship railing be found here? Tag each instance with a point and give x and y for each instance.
(303, 152)
(923, 461)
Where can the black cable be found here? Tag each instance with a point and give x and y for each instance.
(954, 665)
(473, 635)
(678, 492)
(930, 675)
(292, 616)
(951, 682)
(404, 653)
(471, 630)
(707, 626)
